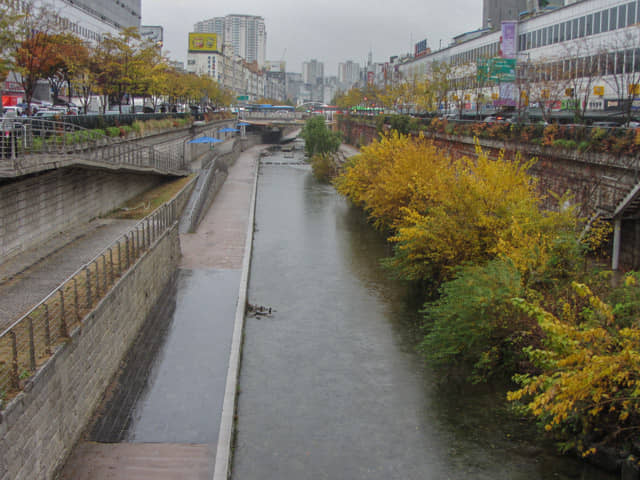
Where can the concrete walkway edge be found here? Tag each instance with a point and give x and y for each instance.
(222, 467)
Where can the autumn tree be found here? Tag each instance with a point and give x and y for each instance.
(119, 56)
(349, 99)
(547, 84)
(586, 390)
(10, 20)
(70, 56)
(583, 71)
(440, 84)
(35, 48)
(152, 73)
(619, 71)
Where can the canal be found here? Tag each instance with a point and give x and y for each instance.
(331, 386)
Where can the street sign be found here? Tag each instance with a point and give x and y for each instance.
(496, 69)
(242, 98)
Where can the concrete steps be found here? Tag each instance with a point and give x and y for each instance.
(140, 461)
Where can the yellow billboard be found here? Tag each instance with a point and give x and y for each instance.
(203, 42)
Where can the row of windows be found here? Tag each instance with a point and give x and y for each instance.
(603, 21)
(475, 54)
(67, 24)
(623, 64)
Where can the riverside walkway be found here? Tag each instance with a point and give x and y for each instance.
(161, 419)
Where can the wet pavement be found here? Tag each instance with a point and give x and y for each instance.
(173, 380)
(171, 388)
(331, 386)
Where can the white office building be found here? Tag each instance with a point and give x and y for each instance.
(588, 50)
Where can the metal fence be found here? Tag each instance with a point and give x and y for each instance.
(30, 341)
(28, 141)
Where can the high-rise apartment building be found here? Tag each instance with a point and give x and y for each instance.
(312, 72)
(348, 74)
(246, 35)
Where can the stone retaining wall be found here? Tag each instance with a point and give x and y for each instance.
(35, 208)
(41, 425)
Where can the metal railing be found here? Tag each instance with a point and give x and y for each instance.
(31, 340)
(26, 142)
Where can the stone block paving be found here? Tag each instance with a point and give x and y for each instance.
(140, 461)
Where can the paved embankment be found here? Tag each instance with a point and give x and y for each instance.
(172, 391)
(30, 276)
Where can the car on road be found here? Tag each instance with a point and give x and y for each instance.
(494, 119)
(606, 124)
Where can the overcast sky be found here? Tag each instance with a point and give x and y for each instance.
(331, 31)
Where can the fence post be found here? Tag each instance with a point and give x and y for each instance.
(104, 272)
(64, 332)
(75, 289)
(89, 302)
(32, 346)
(47, 329)
(14, 379)
(111, 277)
(97, 279)
(126, 247)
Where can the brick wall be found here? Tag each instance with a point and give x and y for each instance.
(41, 425)
(35, 208)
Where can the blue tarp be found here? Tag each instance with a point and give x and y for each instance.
(226, 129)
(206, 140)
(243, 124)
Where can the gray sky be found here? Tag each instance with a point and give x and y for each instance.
(331, 31)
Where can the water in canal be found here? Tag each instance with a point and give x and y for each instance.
(331, 386)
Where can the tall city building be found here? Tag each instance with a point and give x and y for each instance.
(312, 72)
(245, 34)
(313, 78)
(348, 74)
(495, 11)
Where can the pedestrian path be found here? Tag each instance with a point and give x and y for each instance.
(30, 276)
(171, 390)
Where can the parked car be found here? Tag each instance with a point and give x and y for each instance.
(15, 109)
(47, 113)
(605, 124)
(494, 119)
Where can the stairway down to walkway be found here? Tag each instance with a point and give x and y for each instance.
(140, 461)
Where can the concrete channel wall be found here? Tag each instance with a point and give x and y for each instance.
(210, 180)
(34, 209)
(41, 425)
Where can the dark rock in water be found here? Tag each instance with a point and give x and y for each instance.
(635, 448)
(631, 468)
(606, 458)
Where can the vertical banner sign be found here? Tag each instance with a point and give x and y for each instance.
(509, 35)
(509, 50)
